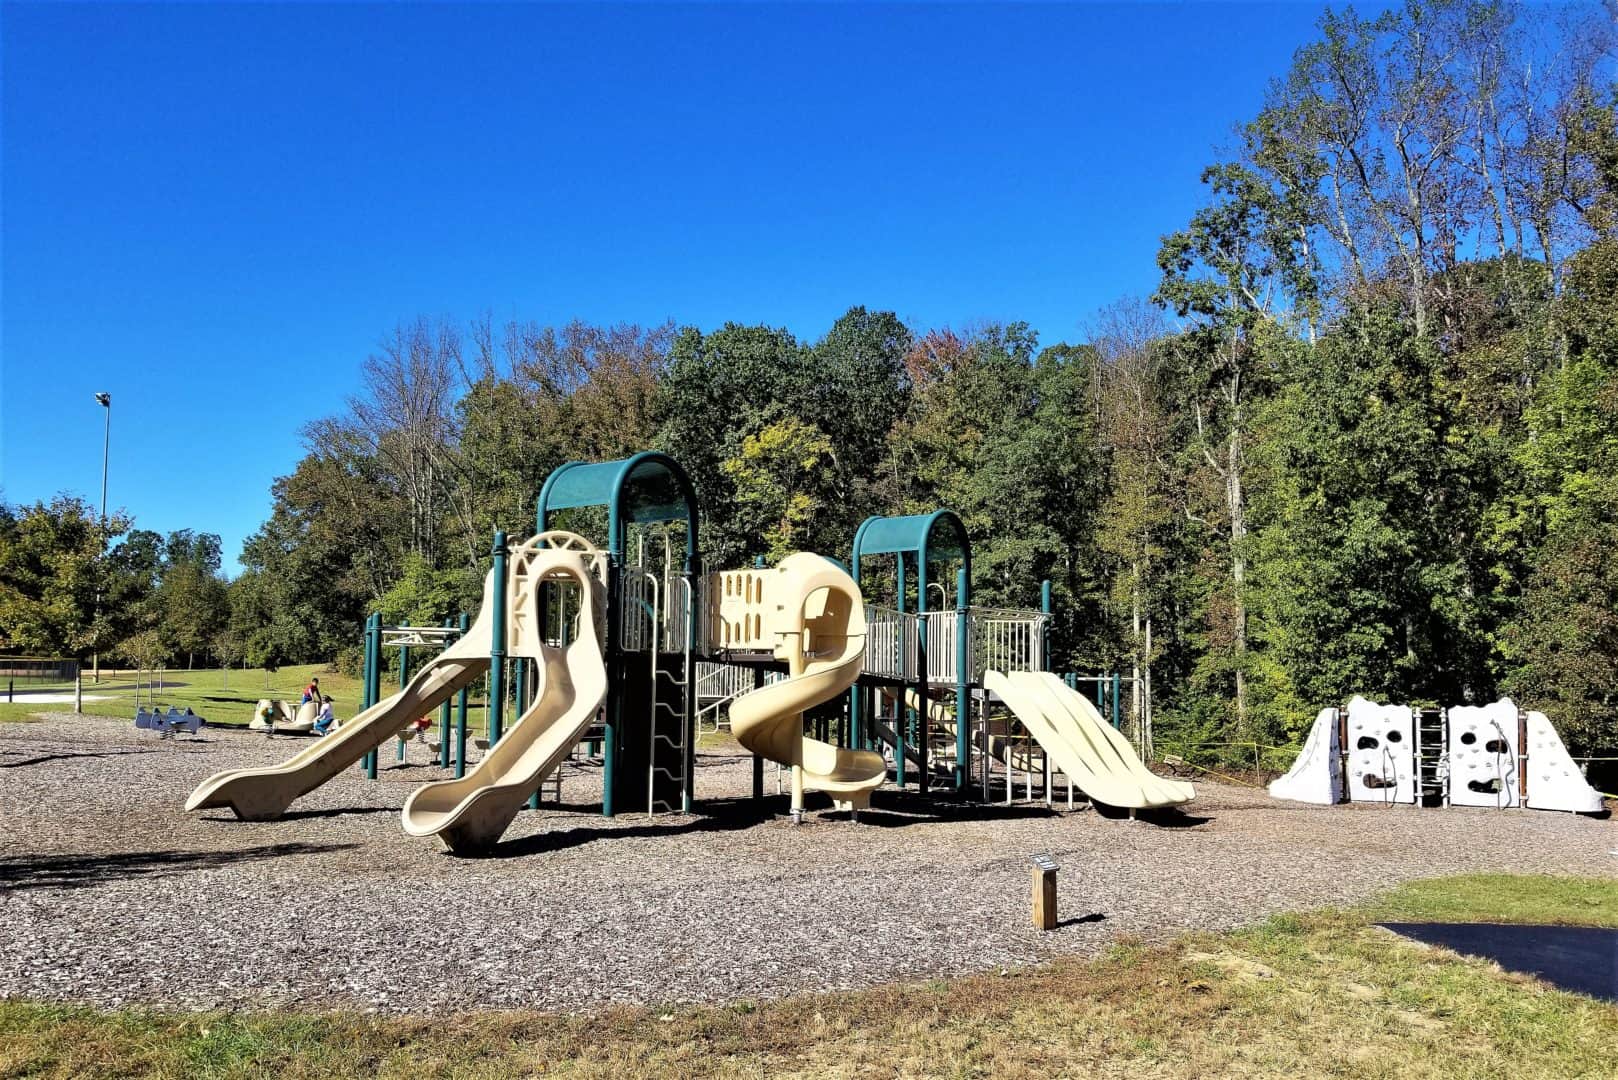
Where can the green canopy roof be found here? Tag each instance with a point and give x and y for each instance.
(930, 537)
(648, 487)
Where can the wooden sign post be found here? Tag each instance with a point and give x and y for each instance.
(1044, 881)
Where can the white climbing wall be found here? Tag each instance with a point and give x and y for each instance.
(1381, 752)
(1483, 755)
(1481, 762)
(1554, 781)
(1314, 776)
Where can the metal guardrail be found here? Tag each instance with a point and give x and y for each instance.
(999, 639)
(1007, 639)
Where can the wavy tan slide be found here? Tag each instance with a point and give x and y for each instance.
(471, 813)
(1084, 746)
(264, 794)
(814, 611)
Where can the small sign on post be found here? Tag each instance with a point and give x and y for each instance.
(1044, 881)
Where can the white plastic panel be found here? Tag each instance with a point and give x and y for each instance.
(1554, 781)
(1315, 776)
(1381, 752)
(1483, 755)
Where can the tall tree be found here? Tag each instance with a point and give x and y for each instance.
(1231, 274)
(52, 573)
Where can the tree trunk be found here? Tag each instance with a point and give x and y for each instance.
(1147, 674)
(1238, 570)
(1134, 637)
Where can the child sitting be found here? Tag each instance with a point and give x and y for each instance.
(324, 720)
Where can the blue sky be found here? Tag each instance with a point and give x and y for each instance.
(215, 212)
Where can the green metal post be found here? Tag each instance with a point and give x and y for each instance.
(615, 673)
(519, 688)
(523, 702)
(404, 680)
(923, 679)
(963, 677)
(1045, 630)
(374, 687)
(443, 714)
(901, 711)
(497, 643)
(366, 763)
(688, 765)
(856, 730)
(1117, 685)
(460, 713)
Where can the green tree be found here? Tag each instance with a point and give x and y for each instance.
(52, 572)
(784, 479)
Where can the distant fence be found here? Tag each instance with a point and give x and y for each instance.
(38, 669)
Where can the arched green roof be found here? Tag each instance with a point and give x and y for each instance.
(648, 487)
(930, 537)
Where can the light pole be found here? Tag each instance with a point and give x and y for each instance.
(105, 401)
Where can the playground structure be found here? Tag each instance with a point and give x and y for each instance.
(604, 647)
(168, 724)
(277, 717)
(1496, 756)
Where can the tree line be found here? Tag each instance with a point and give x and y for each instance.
(1362, 438)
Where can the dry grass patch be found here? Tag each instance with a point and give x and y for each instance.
(1324, 994)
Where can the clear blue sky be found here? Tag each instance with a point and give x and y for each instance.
(214, 212)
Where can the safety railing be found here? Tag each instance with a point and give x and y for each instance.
(997, 638)
(720, 684)
(1007, 639)
(637, 609)
(652, 611)
(719, 681)
(890, 643)
(943, 632)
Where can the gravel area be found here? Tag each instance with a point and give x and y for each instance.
(109, 893)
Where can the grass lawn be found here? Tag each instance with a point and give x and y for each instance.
(217, 696)
(1318, 994)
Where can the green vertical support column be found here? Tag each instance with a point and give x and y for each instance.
(497, 644)
(369, 661)
(923, 679)
(688, 766)
(856, 730)
(523, 667)
(615, 674)
(963, 701)
(1117, 685)
(373, 687)
(1045, 630)
(901, 711)
(460, 712)
(443, 713)
(404, 679)
(542, 619)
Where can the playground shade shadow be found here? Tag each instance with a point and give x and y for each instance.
(74, 871)
(1583, 959)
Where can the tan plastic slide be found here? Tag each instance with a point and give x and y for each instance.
(471, 813)
(1084, 746)
(814, 611)
(264, 794)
